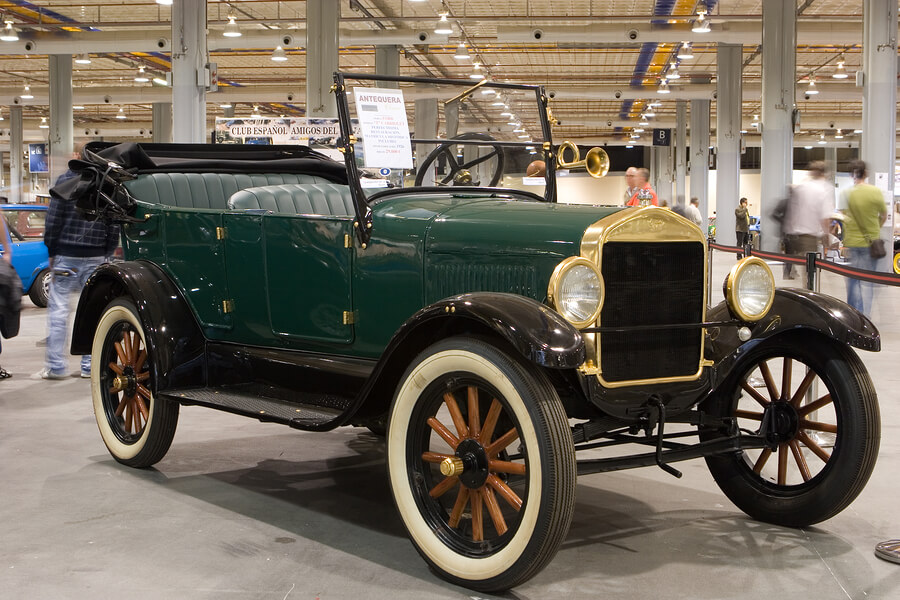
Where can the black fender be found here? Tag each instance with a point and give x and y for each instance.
(175, 342)
(539, 334)
(793, 310)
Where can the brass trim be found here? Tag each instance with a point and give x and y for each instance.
(227, 306)
(348, 317)
(553, 287)
(640, 225)
(348, 240)
(452, 466)
(220, 233)
(730, 291)
(464, 95)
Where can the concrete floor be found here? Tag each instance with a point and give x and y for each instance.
(240, 509)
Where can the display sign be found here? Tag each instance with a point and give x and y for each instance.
(320, 134)
(662, 137)
(383, 128)
(37, 158)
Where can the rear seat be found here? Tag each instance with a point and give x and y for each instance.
(206, 190)
(291, 198)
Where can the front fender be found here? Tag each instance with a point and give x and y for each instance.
(792, 310)
(175, 343)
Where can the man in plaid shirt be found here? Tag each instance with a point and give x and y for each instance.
(76, 248)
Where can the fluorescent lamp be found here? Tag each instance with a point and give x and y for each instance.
(231, 29)
(160, 81)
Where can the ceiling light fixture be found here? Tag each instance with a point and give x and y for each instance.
(701, 25)
(838, 135)
(77, 107)
(811, 90)
(159, 80)
(663, 87)
(232, 29)
(841, 72)
(26, 93)
(686, 51)
(462, 53)
(44, 124)
(278, 54)
(822, 138)
(164, 2)
(83, 59)
(9, 34)
(443, 26)
(255, 112)
(141, 76)
(857, 131)
(673, 72)
(1, 115)
(476, 74)
(121, 114)
(226, 105)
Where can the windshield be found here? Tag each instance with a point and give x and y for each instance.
(427, 132)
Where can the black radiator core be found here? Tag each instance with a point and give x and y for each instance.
(658, 283)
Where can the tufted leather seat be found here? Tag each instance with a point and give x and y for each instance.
(205, 190)
(304, 198)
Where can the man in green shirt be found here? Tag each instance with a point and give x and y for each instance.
(742, 225)
(864, 215)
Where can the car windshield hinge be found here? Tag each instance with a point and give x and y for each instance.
(349, 317)
(348, 240)
(220, 233)
(227, 306)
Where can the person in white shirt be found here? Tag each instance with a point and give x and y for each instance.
(807, 220)
(692, 211)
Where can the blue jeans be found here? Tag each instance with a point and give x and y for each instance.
(859, 293)
(69, 275)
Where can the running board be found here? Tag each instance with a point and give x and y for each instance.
(267, 410)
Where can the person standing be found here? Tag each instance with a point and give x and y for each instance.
(693, 211)
(76, 248)
(808, 217)
(864, 215)
(630, 181)
(7, 258)
(742, 225)
(643, 192)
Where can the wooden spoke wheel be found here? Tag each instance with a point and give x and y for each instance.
(815, 404)
(136, 428)
(481, 464)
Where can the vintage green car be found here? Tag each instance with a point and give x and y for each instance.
(492, 334)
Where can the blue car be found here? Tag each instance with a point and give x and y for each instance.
(25, 223)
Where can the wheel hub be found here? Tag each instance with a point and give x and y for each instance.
(474, 463)
(783, 421)
(126, 382)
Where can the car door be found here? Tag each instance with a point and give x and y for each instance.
(308, 267)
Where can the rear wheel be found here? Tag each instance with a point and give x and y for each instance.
(40, 289)
(816, 402)
(481, 464)
(136, 427)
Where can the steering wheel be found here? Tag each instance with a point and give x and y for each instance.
(461, 172)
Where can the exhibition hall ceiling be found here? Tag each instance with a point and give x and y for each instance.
(587, 52)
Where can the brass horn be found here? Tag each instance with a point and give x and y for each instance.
(596, 161)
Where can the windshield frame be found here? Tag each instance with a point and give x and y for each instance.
(348, 140)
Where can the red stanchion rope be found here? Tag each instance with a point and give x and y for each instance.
(826, 265)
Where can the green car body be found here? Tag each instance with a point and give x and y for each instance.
(489, 333)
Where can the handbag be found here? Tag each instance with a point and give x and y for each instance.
(876, 246)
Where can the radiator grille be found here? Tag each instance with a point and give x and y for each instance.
(651, 284)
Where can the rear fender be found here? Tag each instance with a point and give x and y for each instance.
(174, 340)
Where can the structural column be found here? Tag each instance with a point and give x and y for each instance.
(878, 145)
(680, 151)
(779, 66)
(162, 122)
(387, 62)
(728, 139)
(189, 71)
(426, 128)
(700, 157)
(322, 19)
(16, 170)
(61, 123)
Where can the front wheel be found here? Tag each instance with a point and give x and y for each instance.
(40, 289)
(814, 400)
(136, 427)
(481, 464)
